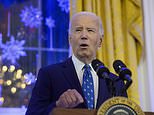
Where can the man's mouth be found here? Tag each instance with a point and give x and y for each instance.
(84, 45)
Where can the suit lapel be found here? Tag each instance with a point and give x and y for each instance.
(72, 78)
(71, 75)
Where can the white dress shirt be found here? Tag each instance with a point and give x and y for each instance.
(79, 69)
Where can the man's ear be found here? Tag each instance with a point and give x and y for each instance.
(100, 42)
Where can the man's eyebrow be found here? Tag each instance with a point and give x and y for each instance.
(91, 28)
(78, 27)
(87, 27)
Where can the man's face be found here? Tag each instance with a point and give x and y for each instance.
(85, 38)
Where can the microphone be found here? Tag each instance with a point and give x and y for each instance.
(103, 72)
(100, 69)
(124, 72)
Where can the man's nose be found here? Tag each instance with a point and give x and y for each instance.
(84, 34)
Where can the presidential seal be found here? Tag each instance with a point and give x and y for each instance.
(119, 106)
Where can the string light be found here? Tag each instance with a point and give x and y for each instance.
(8, 82)
(18, 85)
(12, 68)
(18, 75)
(23, 85)
(13, 90)
(4, 68)
(1, 100)
(12, 80)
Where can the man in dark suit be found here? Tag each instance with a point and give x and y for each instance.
(60, 85)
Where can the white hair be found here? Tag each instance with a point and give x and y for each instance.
(101, 31)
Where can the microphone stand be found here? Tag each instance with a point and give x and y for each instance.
(126, 85)
(113, 90)
(111, 86)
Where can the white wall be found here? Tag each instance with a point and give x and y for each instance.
(146, 68)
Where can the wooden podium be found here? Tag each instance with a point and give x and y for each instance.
(61, 111)
(114, 105)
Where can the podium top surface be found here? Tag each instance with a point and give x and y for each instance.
(62, 111)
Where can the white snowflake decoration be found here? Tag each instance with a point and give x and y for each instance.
(12, 50)
(29, 78)
(65, 5)
(50, 22)
(31, 16)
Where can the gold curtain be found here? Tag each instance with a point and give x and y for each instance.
(122, 21)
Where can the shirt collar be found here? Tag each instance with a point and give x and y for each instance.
(79, 64)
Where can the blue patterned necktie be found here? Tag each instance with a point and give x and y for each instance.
(88, 87)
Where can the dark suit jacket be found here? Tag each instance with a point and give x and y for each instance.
(53, 80)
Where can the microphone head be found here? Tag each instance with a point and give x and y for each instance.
(99, 67)
(124, 73)
(117, 65)
(121, 68)
(96, 63)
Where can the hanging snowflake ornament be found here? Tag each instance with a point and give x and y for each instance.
(50, 22)
(12, 50)
(65, 5)
(29, 78)
(31, 17)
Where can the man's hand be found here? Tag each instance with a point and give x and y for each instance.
(69, 99)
